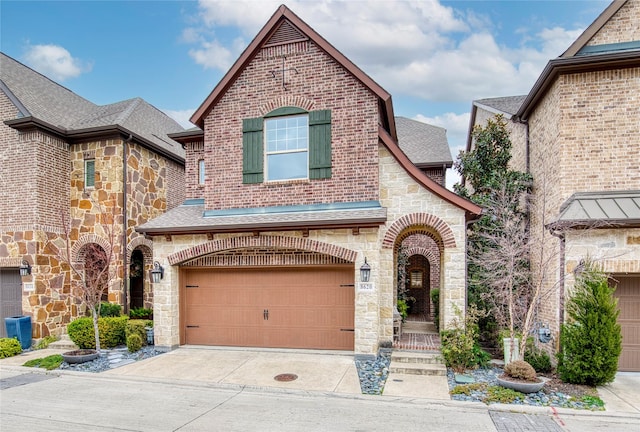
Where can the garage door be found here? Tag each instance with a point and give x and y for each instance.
(10, 296)
(310, 307)
(628, 294)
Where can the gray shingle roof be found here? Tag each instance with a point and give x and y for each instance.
(507, 104)
(39, 97)
(424, 144)
(600, 209)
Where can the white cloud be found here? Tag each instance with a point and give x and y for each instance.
(418, 48)
(55, 62)
(181, 116)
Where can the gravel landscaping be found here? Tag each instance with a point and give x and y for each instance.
(554, 393)
(112, 358)
(373, 373)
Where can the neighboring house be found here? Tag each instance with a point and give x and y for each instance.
(578, 133)
(63, 156)
(295, 184)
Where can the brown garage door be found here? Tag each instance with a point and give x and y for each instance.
(311, 307)
(628, 294)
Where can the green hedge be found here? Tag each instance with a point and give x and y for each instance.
(112, 332)
(9, 347)
(110, 310)
(135, 326)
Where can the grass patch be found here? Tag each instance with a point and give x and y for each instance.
(498, 394)
(592, 401)
(467, 389)
(49, 363)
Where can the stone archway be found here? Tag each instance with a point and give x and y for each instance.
(140, 259)
(425, 237)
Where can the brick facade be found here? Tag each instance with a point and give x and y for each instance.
(321, 83)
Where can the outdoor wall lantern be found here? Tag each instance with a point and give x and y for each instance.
(365, 271)
(157, 273)
(25, 268)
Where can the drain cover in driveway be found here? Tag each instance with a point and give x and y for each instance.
(286, 377)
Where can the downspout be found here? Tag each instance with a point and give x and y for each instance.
(125, 226)
(562, 260)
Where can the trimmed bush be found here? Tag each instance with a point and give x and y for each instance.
(592, 340)
(538, 359)
(9, 347)
(110, 310)
(460, 348)
(141, 313)
(137, 327)
(134, 342)
(520, 369)
(112, 332)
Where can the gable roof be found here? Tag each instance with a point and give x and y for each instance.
(506, 105)
(580, 58)
(50, 106)
(281, 22)
(594, 28)
(424, 144)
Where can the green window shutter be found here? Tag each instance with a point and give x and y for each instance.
(252, 151)
(320, 144)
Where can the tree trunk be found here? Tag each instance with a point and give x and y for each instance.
(96, 331)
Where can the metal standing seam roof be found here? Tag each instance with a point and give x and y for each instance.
(600, 209)
(192, 217)
(37, 96)
(424, 144)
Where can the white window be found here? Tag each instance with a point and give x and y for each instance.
(287, 145)
(89, 173)
(416, 279)
(201, 171)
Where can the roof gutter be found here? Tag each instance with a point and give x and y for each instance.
(570, 65)
(76, 135)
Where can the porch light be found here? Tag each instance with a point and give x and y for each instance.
(25, 268)
(157, 273)
(365, 271)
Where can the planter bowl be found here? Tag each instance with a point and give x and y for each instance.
(521, 386)
(79, 356)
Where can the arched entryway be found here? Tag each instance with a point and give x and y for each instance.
(419, 242)
(136, 280)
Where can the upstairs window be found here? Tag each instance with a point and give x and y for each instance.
(89, 173)
(287, 143)
(201, 172)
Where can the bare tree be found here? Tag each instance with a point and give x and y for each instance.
(92, 270)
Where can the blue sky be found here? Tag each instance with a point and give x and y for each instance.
(434, 57)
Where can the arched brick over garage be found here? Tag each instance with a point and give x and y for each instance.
(244, 242)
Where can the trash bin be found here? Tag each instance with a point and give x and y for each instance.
(19, 327)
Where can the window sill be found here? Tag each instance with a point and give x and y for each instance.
(277, 183)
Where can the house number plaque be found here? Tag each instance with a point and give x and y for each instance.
(366, 286)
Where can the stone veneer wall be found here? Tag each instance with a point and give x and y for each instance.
(402, 195)
(374, 310)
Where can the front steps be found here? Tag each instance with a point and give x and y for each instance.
(418, 327)
(416, 363)
(64, 343)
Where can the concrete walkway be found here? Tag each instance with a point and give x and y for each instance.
(316, 371)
